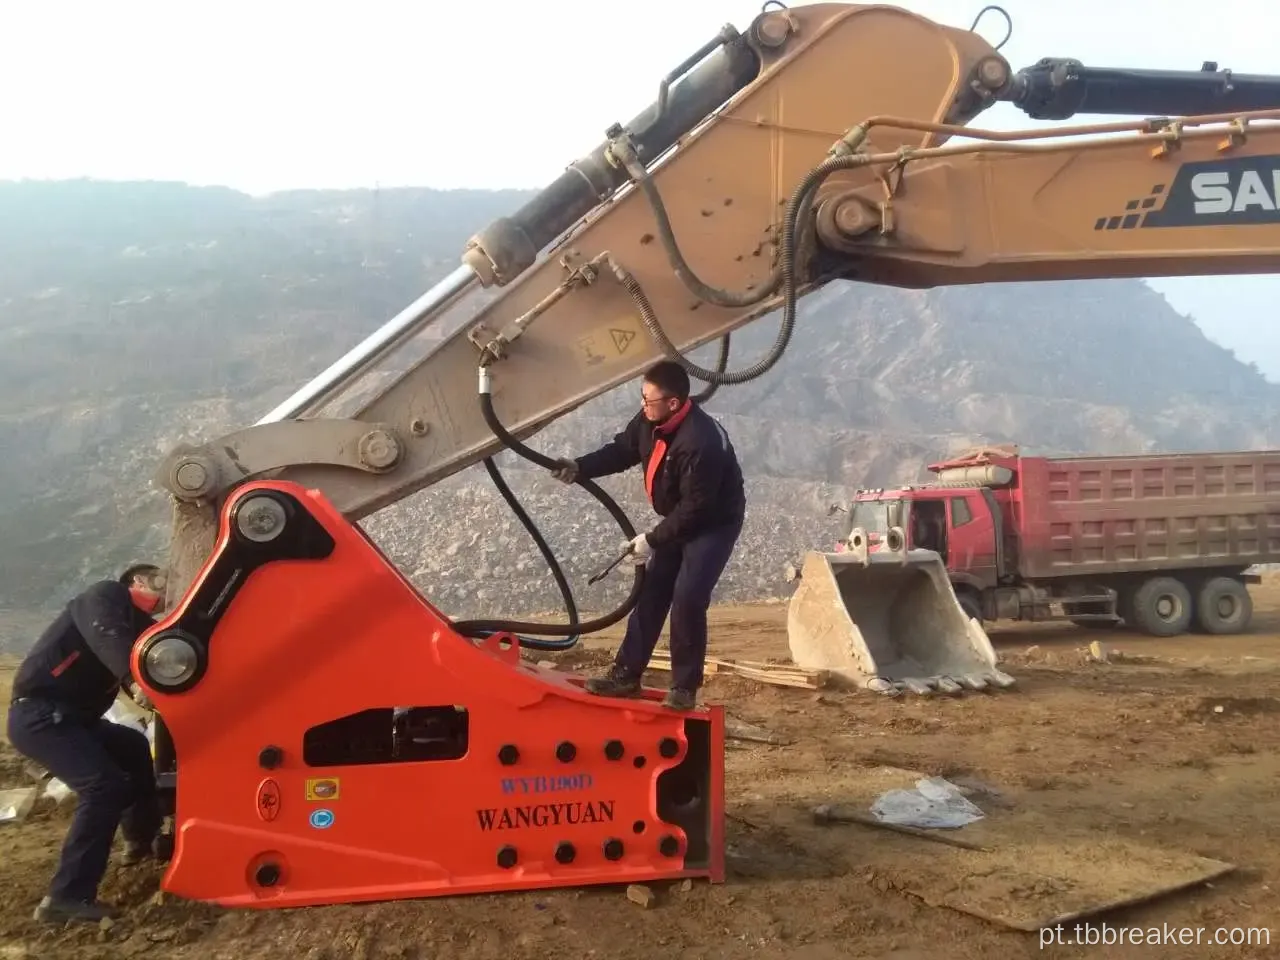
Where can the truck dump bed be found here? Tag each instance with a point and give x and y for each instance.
(1128, 514)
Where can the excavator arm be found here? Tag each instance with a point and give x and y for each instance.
(829, 141)
(824, 141)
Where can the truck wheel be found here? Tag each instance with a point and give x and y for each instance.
(1162, 607)
(1223, 605)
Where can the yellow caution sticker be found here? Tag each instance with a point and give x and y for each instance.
(616, 340)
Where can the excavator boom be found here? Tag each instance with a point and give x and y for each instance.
(671, 234)
(822, 142)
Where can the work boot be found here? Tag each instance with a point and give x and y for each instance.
(57, 910)
(678, 699)
(135, 852)
(615, 683)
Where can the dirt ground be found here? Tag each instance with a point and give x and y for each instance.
(1174, 746)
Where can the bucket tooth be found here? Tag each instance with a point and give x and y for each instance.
(888, 618)
(947, 685)
(881, 685)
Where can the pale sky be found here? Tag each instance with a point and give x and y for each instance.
(275, 95)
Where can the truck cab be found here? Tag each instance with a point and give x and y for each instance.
(960, 524)
(968, 516)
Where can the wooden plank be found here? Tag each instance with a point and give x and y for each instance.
(1029, 885)
(776, 674)
(1033, 873)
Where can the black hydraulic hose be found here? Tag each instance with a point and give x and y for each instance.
(700, 289)
(797, 205)
(478, 628)
(483, 628)
(566, 593)
(722, 362)
(785, 272)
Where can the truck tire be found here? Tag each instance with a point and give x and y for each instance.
(1223, 605)
(1162, 607)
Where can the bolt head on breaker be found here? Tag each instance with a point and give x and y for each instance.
(261, 518)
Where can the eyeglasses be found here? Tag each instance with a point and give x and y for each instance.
(648, 403)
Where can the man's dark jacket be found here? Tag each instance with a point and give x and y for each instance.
(80, 661)
(698, 485)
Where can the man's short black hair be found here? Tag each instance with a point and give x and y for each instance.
(669, 377)
(138, 569)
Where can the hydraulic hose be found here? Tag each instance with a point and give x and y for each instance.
(700, 289)
(722, 362)
(783, 273)
(566, 593)
(484, 628)
(573, 630)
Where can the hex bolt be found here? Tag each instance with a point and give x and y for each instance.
(772, 30)
(668, 846)
(507, 857)
(260, 519)
(566, 751)
(613, 849)
(613, 750)
(993, 73)
(668, 747)
(565, 852)
(270, 757)
(508, 754)
(191, 476)
(378, 450)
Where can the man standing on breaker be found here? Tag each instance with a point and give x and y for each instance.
(694, 482)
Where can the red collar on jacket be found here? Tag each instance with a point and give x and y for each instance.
(661, 432)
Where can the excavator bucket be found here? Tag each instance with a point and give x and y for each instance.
(888, 621)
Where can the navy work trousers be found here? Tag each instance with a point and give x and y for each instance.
(109, 768)
(679, 580)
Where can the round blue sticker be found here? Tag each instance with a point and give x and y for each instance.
(321, 819)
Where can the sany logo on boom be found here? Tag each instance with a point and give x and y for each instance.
(1236, 192)
(1216, 193)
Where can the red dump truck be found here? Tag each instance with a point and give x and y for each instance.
(1161, 542)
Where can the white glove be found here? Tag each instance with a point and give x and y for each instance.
(640, 548)
(567, 472)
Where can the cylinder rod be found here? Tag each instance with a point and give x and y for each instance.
(1060, 88)
(375, 346)
(510, 244)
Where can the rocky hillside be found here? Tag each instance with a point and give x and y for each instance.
(133, 316)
